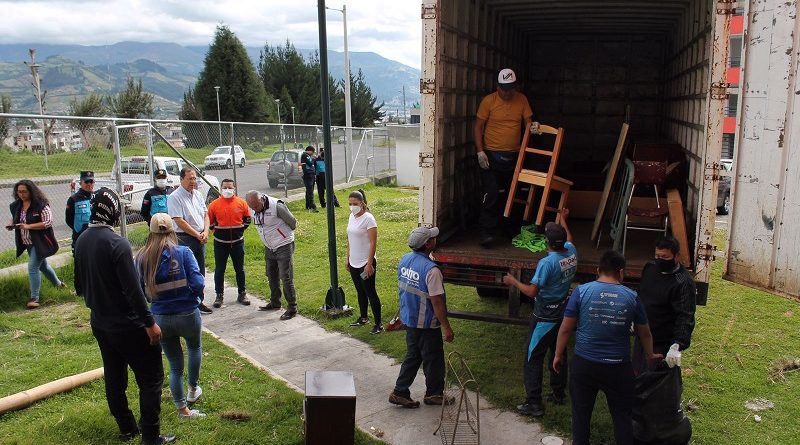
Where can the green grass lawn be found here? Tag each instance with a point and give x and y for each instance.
(13, 164)
(739, 324)
(56, 341)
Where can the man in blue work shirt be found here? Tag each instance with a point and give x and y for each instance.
(309, 176)
(549, 288)
(79, 207)
(423, 309)
(603, 312)
(155, 200)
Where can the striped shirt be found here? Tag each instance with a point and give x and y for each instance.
(47, 219)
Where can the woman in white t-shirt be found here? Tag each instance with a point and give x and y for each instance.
(362, 240)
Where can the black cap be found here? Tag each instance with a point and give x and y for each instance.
(105, 207)
(87, 175)
(160, 172)
(555, 234)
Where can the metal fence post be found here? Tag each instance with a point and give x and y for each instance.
(150, 154)
(123, 227)
(233, 162)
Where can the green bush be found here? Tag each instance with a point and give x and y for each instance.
(255, 147)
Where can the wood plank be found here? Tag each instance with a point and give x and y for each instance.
(678, 224)
(612, 172)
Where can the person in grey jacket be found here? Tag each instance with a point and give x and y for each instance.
(275, 225)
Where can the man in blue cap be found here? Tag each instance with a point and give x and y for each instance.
(155, 200)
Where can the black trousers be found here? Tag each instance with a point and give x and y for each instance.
(198, 250)
(423, 347)
(221, 253)
(308, 181)
(532, 370)
(367, 295)
(132, 348)
(321, 187)
(616, 381)
(497, 178)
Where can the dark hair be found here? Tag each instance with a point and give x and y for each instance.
(668, 242)
(227, 180)
(310, 147)
(37, 196)
(360, 195)
(185, 170)
(611, 263)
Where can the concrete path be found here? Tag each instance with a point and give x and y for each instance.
(56, 261)
(287, 349)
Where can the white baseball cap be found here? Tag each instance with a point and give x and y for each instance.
(507, 78)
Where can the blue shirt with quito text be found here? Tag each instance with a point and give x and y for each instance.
(553, 276)
(605, 312)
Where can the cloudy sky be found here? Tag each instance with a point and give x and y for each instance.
(390, 28)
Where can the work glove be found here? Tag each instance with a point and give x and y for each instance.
(535, 128)
(674, 356)
(483, 160)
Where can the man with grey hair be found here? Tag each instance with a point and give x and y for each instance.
(275, 225)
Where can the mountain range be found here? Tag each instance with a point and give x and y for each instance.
(166, 70)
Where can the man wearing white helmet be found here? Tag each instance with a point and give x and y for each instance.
(498, 130)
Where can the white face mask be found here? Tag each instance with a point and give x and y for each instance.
(355, 209)
(161, 183)
(227, 193)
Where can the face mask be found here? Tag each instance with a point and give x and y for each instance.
(227, 193)
(355, 209)
(161, 183)
(665, 265)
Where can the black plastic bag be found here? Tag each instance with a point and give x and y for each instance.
(658, 417)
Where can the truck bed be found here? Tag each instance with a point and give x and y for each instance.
(489, 265)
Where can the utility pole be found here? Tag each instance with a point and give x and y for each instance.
(294, 129)
(219, 118)
(348, 113)
(37, 86)
(405, 117)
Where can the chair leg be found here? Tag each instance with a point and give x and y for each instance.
(624, 235)
(512, 192)
(529, 203)
(542, 205)
(562, 202)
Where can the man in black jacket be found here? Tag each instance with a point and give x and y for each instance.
(307, 163)
(155, 200)
(121, 320)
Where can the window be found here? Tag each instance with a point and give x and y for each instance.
(221, 151)
(135, 167)
(277, 156)
(172, 167)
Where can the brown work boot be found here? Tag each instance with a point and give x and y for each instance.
(402, 401)
(242, 299)
(218, 301)
(438, 399)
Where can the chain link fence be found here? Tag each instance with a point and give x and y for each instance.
(53, 151)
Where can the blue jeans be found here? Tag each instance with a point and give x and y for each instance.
(173, 327)
(36, 267)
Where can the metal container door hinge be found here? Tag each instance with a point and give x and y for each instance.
(706, 252)
(426, 86)
(713, 171)
(428, 12)
(425, 160)
(726, 7)
(719, 90)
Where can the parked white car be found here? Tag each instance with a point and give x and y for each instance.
(137, 179)
(221, 157)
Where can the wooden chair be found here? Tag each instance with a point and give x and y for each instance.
(547, 180)
(647, 173)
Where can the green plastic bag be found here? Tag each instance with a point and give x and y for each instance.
(529, 239)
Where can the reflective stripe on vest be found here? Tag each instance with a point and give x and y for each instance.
(83, 211)
(171, 285)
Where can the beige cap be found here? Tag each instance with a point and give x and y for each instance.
(161, 223)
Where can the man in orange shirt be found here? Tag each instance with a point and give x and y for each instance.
(229, 216)
(498, 131)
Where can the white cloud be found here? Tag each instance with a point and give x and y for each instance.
(390, 28)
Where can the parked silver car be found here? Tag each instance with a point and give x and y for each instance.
(287, 169)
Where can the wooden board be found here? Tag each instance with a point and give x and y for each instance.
(678, 225)
(612, 172)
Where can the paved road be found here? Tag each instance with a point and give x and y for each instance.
(251, 177)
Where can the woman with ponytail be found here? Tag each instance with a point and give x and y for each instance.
(362, 241)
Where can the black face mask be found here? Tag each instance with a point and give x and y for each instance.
(665, 265)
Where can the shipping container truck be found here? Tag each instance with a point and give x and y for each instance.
(586, 66)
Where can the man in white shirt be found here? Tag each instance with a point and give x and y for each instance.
(188, 210)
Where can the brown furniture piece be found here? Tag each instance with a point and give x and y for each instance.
(329, 408)
(678, 225)
(647, 173)
(546, 180)
(610, 176)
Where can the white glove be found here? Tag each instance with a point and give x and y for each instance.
(535, 128)
(674, 356)
(483, 160)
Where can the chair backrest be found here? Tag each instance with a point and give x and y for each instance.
(649, 172)
(551, 152)
(620, 203)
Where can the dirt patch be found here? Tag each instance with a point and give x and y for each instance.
(779, 368)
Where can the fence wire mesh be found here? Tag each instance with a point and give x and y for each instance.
(53, 151)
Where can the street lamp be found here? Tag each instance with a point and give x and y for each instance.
(283, 149)
(219, 118)
(347, 110)
(294, 129)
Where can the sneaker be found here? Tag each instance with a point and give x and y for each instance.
(194, 394)
(377, 329)
(204, 309)
(193, 413)
(531, 409)
(288, 315)
(555, 399)
(125, 437)
(359, 322)
(218, 301)
(159, 440)
(439, 399)
(402, 401)
(313, 210)
(270, 307)
(63, 285)
(33, 303)
(242, 299)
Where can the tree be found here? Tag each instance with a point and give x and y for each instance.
(5, 107)
(132, 102)
(197, 135)
(241, 96)
(363, 108)
(283, 68)
(89, 106)
(190, 109)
